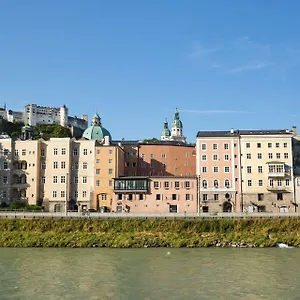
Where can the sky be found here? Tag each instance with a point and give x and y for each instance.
(224, 64)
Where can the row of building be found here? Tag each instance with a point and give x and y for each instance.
(225, 171)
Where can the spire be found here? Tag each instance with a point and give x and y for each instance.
(96, 120)
(176, 115)
(166, 133)
(4, 106)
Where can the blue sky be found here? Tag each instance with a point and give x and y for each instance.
(225, 64)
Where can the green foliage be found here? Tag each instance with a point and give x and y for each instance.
(136, 233)
(48, 131)
(18, 204)
(153, 140)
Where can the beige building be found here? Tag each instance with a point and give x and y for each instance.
(109, 163)
(165, 194)
(267, 170)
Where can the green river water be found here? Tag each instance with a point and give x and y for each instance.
(208, 273)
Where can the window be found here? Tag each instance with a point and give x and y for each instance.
(84, 165)
(158, 197)
(215, 146)
(98, 171)
(5, 165)
(75, 194)
(269, 145)
(76, 166)
(166, 184)
(176, 184)
(16, 152)
(55, 165)
(63, 164)
(204, 197)
(54, 179)
(76, 179)
(63, 151)
(215, 157)
(279, 196)
(226, 169)
(226, 146)
(54, 194)
(97, 161)
(5, 180)
(110, 182)
(249, 183)
(287, 182)
(110, 171)
(85, 152)
(271, 182)
(141, 197)
(216, 169)
(260, 182)
(110, 151)
(163, 166)
(84, 179)
(285, 145)
(43, 165)
(259, 155)
(130, 197)
(104, 197)
(43, 179)
(278, 155)
(110, 161)
(279, 182)
(216, 183)
(75, 151)
(226, 157)
(143, 155)
(187, 154)
(204, 169)
(260, 197)
(187, 197)
(163, 156)
(5, 152)
(247, 145)
(98, 151)
(277, 145)
(216, 197)
(120, 196)
(23, 152)
(63, 179)
(187, 184)
(203, 157)
(151, 155)
(227, 183)
(203, 147)
(248, 169)
(270, 155)
(259, 169)
(62, 194)
(156, 184)
(258, 145)
(97, 182)
(55, 151)
(174, 196)
(42, 152)
(204, 184)
(4, 194)
(84, 194)
(286, 155)
(248, 155)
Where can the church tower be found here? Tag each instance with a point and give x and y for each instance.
(166, 133)
(176, 130)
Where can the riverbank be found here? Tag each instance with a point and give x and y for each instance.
(139, 233)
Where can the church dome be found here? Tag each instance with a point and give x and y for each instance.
(166, 131)
(96, 131)
(176, 122)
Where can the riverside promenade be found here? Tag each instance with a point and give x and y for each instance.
(98, 215)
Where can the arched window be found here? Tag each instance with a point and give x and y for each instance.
(227, 183)
(204, 183)
(216, 183)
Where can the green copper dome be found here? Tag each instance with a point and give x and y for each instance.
(166, 132)
(96, 131)
(176, 122)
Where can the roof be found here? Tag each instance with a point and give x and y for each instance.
(95, 132)
(235, 133)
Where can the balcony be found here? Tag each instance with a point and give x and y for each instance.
(278, 189)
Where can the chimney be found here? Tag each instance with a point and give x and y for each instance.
(294, 130)
(231, 131)
(106, 140)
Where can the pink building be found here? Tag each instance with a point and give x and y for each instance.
(165, 194)
(218, 169)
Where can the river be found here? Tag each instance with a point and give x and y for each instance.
(208, 273)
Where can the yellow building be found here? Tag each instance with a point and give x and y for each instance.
(109, 164)
(267, 170)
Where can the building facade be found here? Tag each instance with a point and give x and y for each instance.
(218, 170)
(156, 194)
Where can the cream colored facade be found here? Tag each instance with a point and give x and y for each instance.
(267, 171)
(109, 164)
(57, 174)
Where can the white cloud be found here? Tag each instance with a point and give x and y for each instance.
(248, 67)
(198, 51)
